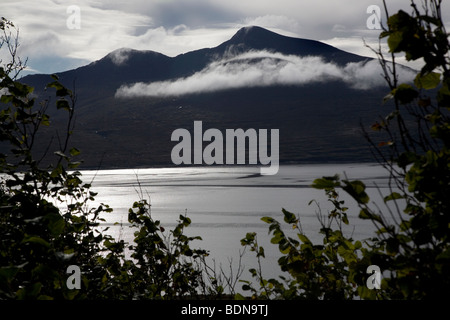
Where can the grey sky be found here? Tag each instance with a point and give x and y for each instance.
(176, 26)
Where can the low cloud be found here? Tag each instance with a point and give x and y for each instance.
(259, 69)
(120, 56)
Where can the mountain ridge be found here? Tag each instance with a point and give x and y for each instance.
(245, 39)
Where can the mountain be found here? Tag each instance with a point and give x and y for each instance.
(153, 66)
(319, 121)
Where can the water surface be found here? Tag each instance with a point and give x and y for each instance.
(224, 203)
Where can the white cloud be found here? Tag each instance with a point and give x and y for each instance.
(44, 32)
(262, 68)
(120, 56)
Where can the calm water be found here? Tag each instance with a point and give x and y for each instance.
(224, 203)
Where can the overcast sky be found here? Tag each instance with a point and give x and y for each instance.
(52, 41)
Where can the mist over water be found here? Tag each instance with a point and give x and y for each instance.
(224, 203)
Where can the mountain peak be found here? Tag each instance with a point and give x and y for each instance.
(252, 33)
(258, 38)
(120, 56)
(251, 29)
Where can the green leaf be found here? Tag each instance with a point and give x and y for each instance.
(249, 238)
(284, 248)
(45, 120)
(384, 34)
(62, 92)
(357, 190)
(74, 152)
(326, 182)
(277, 238)
(246, 287)
(303, 238)
(393, 196)
(8, 273)
(37, 240)
(345, 219)
(289, 217)
(239, 296)
(74, 165)
(63, 104)
(394, 41)
(7, 98)
(268, 220)
(56, 223)
(261, 252)
(428, 81)
(55, 84)
(364, 214)
(367, 215)
(30, 291)
(405, 93)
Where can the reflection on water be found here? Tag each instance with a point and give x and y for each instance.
(224, 203)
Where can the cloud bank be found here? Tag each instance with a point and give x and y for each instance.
(259, 69)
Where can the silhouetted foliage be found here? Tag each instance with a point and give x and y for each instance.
(412, 243)
(47, 223)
